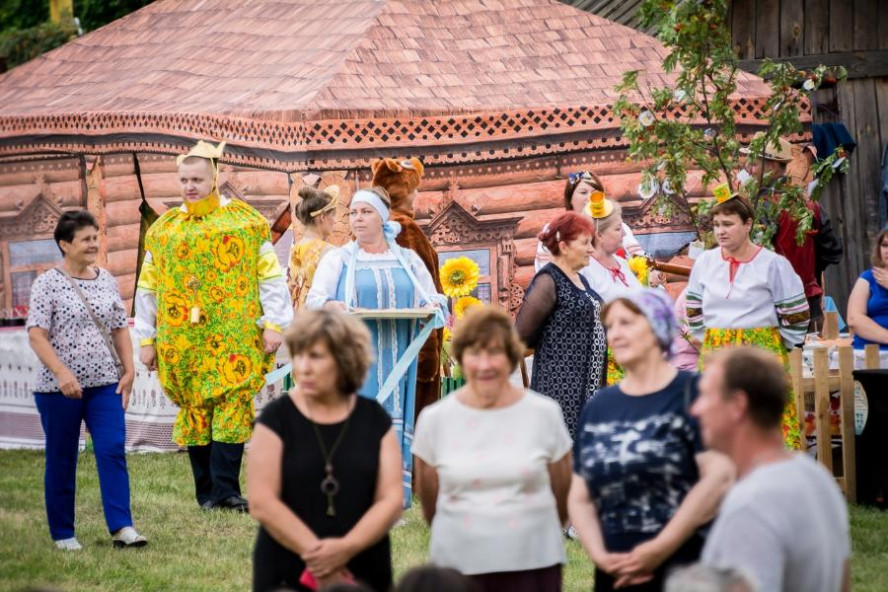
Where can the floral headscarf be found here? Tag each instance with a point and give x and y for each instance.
(657, 308)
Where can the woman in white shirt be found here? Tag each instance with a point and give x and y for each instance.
(740, 293)
(608, 273)
(493, 466)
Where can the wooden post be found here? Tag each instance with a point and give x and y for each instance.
(798, 391)
(871, 356)
(849, 451)
(830, 326)
(95, 201)
(821, 407)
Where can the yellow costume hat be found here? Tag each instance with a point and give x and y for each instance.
(779, 150)
(723, 193)
(203, 150)
(598, 206)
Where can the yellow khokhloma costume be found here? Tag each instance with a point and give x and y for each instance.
(216, 285)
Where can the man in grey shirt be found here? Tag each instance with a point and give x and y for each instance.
(785, 522)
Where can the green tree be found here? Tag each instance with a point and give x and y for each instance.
(696, 34)
(26, 31)
(98, 13)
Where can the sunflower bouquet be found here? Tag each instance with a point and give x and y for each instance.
(459, 277)
(639, 267)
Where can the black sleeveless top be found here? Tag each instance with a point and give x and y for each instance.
(356, 467)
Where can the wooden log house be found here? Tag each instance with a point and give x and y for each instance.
(500, 99)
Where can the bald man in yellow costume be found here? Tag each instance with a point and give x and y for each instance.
(211, 304)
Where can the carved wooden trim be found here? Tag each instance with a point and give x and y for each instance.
(37, 220)
(454, 226)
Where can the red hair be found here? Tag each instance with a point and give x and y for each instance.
(566, 227)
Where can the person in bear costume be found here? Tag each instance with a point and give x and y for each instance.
(401, 178)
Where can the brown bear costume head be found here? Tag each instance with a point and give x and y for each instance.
(400, 178)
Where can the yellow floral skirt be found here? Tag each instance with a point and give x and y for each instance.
(766, 338)
(615, 372)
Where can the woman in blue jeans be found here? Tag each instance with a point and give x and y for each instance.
(86, 375)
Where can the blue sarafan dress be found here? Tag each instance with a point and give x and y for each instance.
(395, 279)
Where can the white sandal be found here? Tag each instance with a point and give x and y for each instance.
(128, 537)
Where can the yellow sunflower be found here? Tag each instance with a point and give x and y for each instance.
(464, 304)
(639, 267)
(448, 334)
(459, 276)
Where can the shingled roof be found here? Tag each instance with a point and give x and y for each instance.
(281, 79)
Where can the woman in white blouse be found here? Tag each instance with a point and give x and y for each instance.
(373, 272)
(493, 465)
(740, 293)
(607, 272)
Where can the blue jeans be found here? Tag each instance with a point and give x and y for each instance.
(61, 417)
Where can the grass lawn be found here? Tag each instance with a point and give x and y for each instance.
(194, 550)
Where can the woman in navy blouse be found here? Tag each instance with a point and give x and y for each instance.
(642, 484)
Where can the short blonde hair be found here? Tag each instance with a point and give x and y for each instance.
(487, 326)
(347, 338)
(612, 219)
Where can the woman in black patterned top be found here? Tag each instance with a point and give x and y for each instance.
(561, 319)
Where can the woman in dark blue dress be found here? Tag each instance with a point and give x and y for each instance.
(561, 319)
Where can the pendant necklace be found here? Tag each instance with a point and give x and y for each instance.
(329, 485)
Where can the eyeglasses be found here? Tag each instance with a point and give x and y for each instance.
(581, 176)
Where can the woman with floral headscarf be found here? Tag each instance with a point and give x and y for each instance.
(373, 272)
(642, 484)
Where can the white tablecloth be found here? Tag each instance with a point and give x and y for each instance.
(859, 358)
(149, 419)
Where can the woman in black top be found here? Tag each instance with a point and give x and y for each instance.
(561, 319)
(324, 467)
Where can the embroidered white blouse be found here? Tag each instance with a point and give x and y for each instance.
(764, 292)
(608, 284)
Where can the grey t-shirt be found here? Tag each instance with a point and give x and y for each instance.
(56, 307)
(786, 525)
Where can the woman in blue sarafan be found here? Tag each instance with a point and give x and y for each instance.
(373, 272)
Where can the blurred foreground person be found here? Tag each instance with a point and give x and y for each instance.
(431, 578)
(493, 464)
(324, 469)
(77, 327)
(785, 521)
(705, 578)
(642, 484)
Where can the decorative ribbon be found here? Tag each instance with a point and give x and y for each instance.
(617, 274)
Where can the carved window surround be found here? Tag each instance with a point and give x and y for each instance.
(456, 229)
(37, 221)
